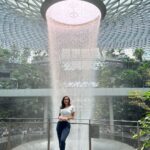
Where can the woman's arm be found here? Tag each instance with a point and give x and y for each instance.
(65, 118)
(71, 116)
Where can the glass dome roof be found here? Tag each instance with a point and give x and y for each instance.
(126, 25)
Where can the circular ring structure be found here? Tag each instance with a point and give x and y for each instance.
(99, 4)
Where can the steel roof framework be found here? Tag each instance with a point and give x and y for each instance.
(126, 25)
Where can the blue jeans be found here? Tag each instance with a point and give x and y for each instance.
(63, 129)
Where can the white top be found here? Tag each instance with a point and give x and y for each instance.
(67, 111)
(73, 12)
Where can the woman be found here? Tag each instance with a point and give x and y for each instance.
(66, 113)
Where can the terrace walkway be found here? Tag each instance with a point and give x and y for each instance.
(98, 144)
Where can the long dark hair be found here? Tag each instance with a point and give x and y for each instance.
(62, 102)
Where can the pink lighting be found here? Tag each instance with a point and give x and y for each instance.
(73, 12)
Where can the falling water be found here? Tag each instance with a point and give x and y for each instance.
(73, 27)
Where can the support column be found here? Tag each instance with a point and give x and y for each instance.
(111, 114)
(45, 114)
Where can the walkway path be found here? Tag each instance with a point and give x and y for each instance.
(97, 144)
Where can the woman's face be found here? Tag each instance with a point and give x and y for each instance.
(66, 101)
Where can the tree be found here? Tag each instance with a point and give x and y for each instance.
(122, 71)
(131, 78)
(143, 101)
(138, 53)
(23, 74)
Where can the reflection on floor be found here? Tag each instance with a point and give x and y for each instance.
(97, 144)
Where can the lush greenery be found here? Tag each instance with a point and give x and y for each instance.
(120, 70)
(143, 100)
(21, 107)
(22, 72)
(25, 72)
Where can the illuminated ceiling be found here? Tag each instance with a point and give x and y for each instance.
(126, 25)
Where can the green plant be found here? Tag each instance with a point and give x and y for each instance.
(138, 53)
(23, 74)
(143, 100)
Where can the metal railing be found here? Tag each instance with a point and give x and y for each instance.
(17, 131)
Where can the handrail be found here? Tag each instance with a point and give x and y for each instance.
(101, 124)
(76, 119)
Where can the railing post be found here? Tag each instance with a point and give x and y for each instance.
(90, 142)
(122, 132)
(45, 114)
(9, 130)
(48, 147)
(138, 135)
